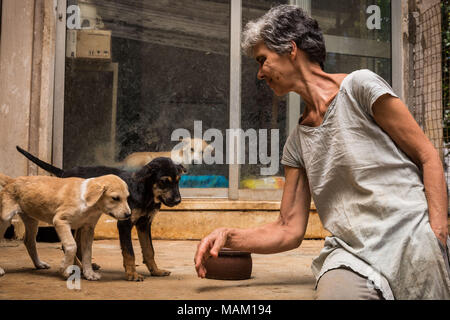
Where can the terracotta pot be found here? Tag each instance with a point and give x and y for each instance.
(229, 265)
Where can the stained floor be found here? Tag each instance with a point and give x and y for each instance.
(278, 276)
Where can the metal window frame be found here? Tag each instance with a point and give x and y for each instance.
(235, 90)
(397, 61)
(294, 100)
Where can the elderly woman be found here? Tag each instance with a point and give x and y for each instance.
(377, 181)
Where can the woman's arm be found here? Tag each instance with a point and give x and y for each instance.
(284, 234)
(394, 118)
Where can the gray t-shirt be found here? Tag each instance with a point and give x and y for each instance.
(370, 196)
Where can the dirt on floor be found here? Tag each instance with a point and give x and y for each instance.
(278, 276)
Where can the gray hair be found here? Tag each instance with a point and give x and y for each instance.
(281, 25)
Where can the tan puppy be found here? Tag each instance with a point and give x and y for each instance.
(188, 154)
(67, 203)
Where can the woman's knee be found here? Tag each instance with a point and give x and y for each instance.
(345, 284)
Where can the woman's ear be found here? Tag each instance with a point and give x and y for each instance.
(294, 49)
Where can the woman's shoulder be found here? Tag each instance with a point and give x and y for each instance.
(360, 80)
(347, 80)
(360, 75)
(365, 86)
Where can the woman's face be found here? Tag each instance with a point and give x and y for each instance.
(274, 68)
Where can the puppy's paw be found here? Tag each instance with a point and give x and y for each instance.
(160, 273)
(65, 272)
(92, 276)
(42, 265)
(2, 272)
(95, 267)
(134, 276)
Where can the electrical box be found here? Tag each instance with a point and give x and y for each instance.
(88, 44)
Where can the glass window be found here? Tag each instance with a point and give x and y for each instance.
(143, 76)
(357, 34)
(263, 118)
(136, 71)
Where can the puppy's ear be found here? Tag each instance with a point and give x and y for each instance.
(181, 168)
(94, 192)
(145, 173)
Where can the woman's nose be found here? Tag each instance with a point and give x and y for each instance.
(260, 74)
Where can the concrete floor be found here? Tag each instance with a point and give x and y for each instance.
(279, 276)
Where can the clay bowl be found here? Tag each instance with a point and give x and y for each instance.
(229, 265)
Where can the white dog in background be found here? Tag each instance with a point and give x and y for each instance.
(188, 151)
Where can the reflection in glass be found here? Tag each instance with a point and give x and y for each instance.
(357, 36)
(172, 68)
(261, 110)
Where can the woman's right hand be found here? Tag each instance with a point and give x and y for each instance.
(209, 246)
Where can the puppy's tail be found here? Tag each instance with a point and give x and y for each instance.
(44, 165)
(4, 180)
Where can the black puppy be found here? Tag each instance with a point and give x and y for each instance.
(156, 183)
